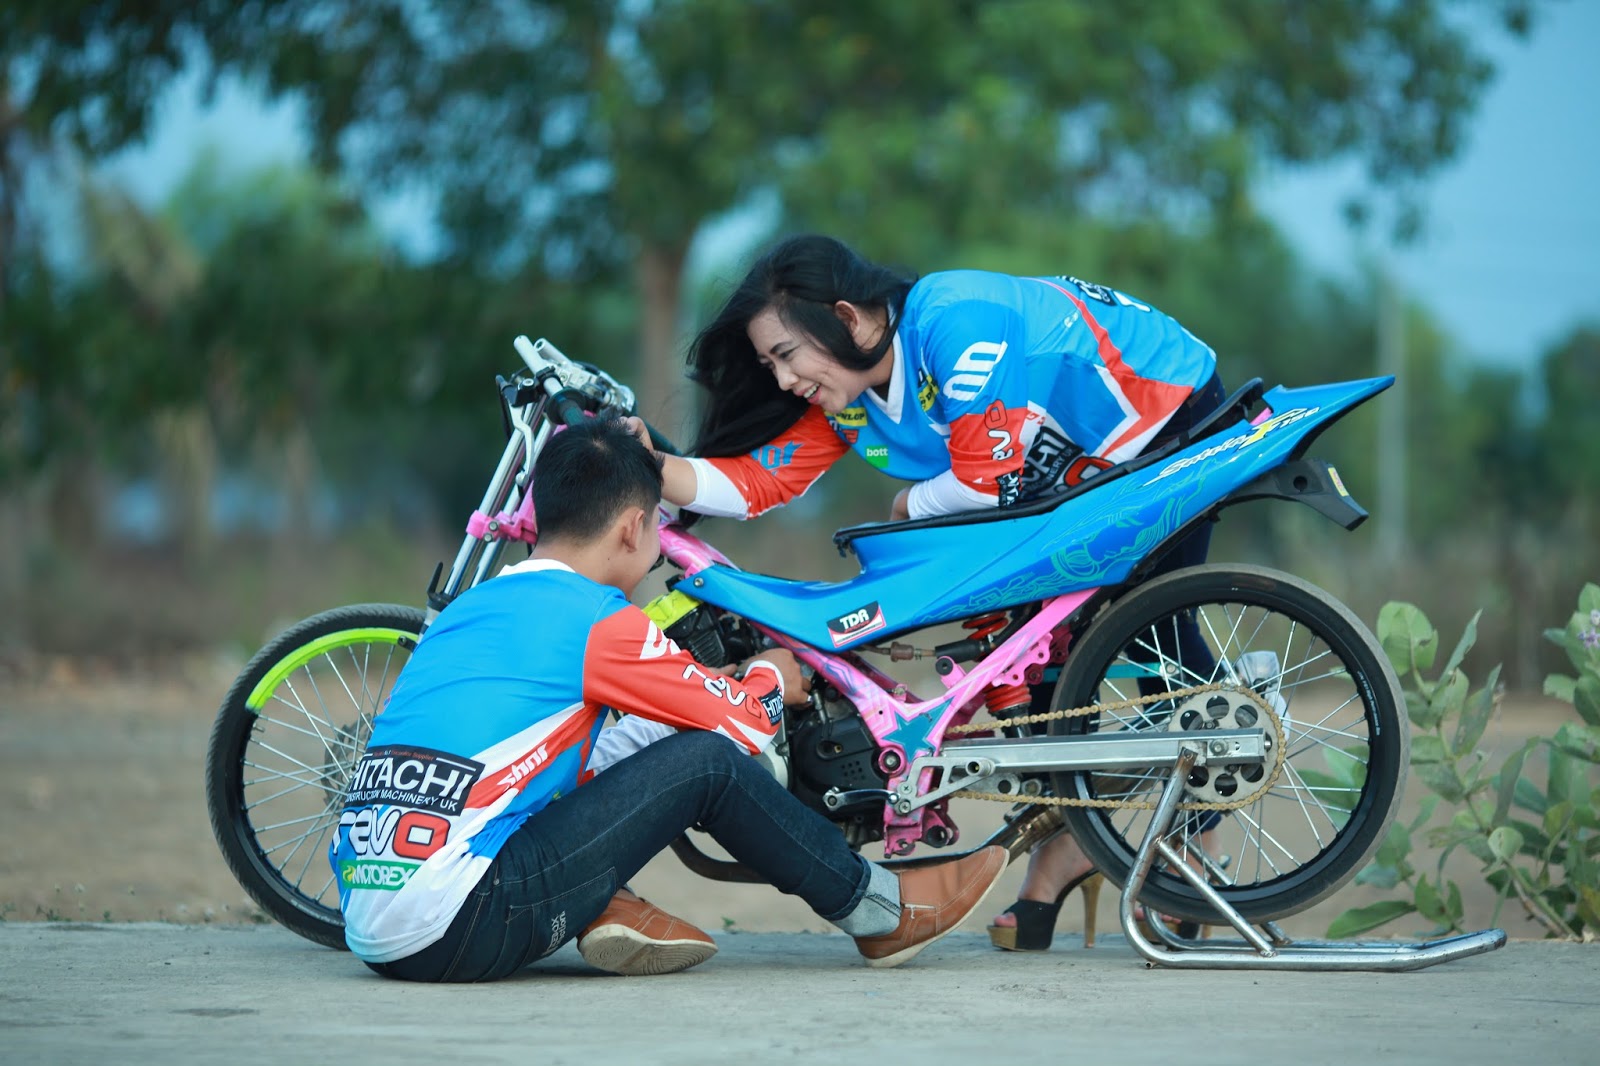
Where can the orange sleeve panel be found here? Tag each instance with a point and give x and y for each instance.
(632, 666)
(986, 446)
(785, 467)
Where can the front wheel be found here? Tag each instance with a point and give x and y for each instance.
(283, 746)
(1301, 653)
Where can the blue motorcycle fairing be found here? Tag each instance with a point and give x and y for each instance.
(911, 578)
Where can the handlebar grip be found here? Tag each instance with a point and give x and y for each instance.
(569, 410)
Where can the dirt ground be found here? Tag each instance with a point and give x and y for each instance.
(103, 780)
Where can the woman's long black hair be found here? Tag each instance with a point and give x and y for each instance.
(801, 278)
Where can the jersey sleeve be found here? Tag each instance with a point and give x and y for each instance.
(977, 354)
(775, 473)
(633, 667)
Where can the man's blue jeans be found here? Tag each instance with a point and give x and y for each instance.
(561, 867)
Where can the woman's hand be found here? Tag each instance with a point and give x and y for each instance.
(901, 508)
(637, 427)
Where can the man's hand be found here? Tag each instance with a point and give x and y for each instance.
(796, 686)
(901, 509)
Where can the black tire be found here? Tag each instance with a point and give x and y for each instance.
(1297, 844)
(275, 781)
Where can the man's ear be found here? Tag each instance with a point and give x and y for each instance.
(630, 527)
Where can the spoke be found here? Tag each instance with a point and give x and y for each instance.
(288, 758)
(264, 800)
(312, 854)
(319, 775)
(1290, 771)
(1256, 632)
(292, 821)
(328, 744)
(296, 841)
(327, 718)
(1271, 839)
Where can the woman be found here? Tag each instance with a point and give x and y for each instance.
(984, 390)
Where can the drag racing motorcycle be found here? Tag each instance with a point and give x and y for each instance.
(1285, 733)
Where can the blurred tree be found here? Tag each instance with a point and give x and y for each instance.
(590, 135)
(85, 74)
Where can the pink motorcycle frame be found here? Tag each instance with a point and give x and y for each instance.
(886, 705)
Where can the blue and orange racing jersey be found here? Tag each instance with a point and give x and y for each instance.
(493, 718)
(1003, 388)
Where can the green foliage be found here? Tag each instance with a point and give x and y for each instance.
(1540, 847)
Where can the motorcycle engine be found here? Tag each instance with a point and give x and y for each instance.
(831, 747)
(820, 747)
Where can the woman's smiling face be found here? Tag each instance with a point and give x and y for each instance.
(802, 366)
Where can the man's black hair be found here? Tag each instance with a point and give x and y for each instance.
(587, 474)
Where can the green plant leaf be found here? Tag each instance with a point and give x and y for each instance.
(1579, 740)
(1528, 796)
(1558, 685)
(1452, 905)
(1504, 843)
(1450, 695)
(1420, 710)
(1475, 715)
(1361, 919)
(1469, 637)
(1510, 773)
(1534, 842)
(1378, 875)
(1442, 778)
(1429, 903)
(1425, 811)
(1589, 598)
(1586, 698)
(1556, 819)
(1395, 847)
(1478, 846)
(1408, 638)
(1427, 748)
(1589, 905)
(1560, 773)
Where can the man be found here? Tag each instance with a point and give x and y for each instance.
(476, 838)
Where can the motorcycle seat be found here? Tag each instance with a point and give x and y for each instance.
(1236, 407)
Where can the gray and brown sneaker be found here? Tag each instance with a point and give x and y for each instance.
(934, 900)
(635, 937)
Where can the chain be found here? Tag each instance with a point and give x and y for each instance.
(1120, 705)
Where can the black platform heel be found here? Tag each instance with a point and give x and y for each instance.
(1036, 922)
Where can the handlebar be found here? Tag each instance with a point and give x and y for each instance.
(568, 383)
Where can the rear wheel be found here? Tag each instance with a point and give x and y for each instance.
(1303, 654)
(283, 746)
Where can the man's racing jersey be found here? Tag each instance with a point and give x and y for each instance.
(1003, 388)
(493, 718)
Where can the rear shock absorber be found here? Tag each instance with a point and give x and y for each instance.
(1003, 701)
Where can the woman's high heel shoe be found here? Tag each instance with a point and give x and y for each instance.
(1036, 922)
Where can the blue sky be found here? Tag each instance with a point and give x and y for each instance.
(1509, 263)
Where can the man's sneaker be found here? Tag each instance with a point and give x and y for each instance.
(635, 938)
(934, 900)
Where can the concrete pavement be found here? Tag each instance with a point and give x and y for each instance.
(132, 993)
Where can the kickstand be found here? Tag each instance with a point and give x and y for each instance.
(1267, 947)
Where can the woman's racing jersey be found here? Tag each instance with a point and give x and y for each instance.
(1003, 388)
